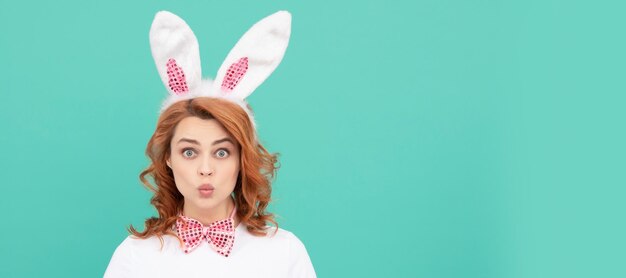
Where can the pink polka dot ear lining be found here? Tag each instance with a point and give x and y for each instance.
(249, 63)
(176, 78)
(234, 74)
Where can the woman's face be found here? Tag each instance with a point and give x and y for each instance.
(205, 161)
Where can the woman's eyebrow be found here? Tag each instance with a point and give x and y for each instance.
(225, 139)
(195, 142)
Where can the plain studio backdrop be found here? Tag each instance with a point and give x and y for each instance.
(417, 138)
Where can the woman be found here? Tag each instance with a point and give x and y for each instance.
(211, 175)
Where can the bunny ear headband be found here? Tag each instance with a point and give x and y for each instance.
(255, 56)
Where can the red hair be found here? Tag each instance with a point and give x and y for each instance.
(252, 191)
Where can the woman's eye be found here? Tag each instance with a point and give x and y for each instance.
(222, 153)
(188, 153)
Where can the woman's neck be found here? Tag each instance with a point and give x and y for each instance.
(206, 217)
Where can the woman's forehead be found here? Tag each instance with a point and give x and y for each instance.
(203, 132)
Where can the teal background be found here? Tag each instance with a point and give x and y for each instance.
(417, 138)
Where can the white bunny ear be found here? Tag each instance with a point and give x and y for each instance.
(255, 56)
(175, 51)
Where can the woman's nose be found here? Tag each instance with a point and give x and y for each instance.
(206, 168)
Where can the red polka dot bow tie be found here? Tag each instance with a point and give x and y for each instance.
(219, 234)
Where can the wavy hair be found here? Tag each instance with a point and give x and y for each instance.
(253, 189)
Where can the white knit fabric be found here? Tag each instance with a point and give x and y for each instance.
(275, 255)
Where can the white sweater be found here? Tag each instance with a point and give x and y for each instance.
(275, 255)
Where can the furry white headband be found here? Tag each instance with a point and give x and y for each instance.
(255, 56)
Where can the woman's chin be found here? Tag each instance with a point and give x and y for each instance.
(206, 203)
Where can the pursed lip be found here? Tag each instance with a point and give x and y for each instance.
(206, 186)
